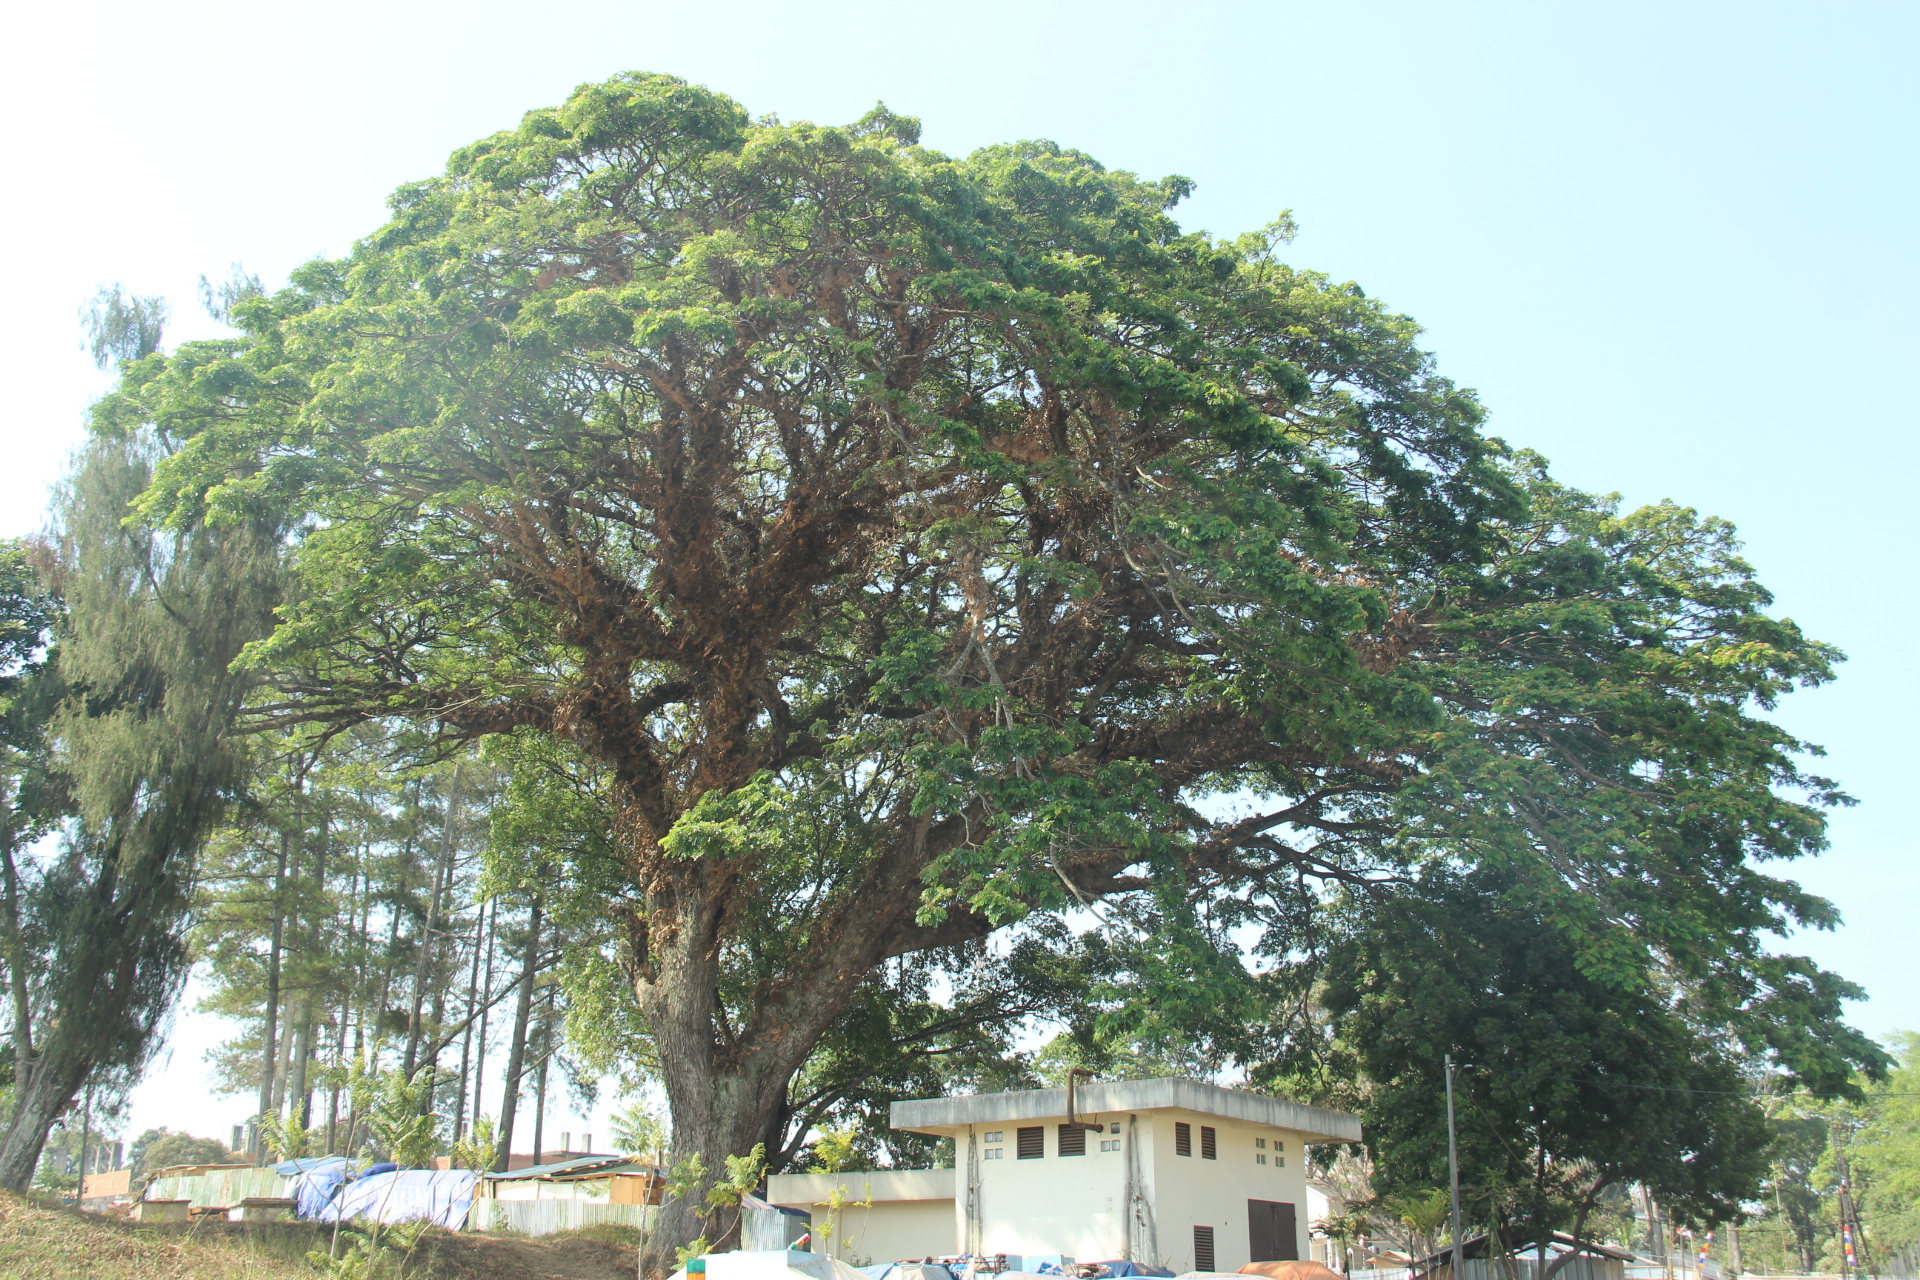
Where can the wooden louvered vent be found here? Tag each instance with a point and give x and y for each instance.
(1073, 1140)
(1182, 1138)
(1209, 1144)
(1203, 1248)
(1030, 1143)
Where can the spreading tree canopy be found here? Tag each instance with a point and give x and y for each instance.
(894, 545)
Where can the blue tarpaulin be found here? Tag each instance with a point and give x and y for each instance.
(314, 1189)
(437, 1195)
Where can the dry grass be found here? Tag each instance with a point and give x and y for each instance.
(38, 1242)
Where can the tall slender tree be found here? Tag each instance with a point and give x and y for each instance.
(154, 623)
(515, 1080)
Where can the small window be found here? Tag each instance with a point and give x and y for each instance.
(1030, 1143)
(1073, 1140)
(1280, 1160)
(996, 1153)
(1209, 1147)
(1114, 1127)
(1260, 1144)
(995, 1136)
(1203, 1248)
(1182, 1138)
(1260, 1159)
(1279, 1145)
(1109, 1144)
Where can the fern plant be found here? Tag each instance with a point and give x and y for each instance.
(477, 1150)
(403, 1122)
(285, 1136)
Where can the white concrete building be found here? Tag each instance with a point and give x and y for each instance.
(1180, 1174)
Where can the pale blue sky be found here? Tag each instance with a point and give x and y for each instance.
(1671, 244)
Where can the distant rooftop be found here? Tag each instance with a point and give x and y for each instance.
(577, 1167)
(940, 1115)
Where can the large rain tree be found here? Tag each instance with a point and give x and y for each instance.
(898, 545)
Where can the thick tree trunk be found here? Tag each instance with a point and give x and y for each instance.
(727, 1084)
(716, 1114)
(46, 1095)
(725, 1094)
(517, 1050)
(17, 966)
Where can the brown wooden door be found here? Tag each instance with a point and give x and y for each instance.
(1271, 1234)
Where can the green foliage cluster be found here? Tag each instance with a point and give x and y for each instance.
(479, 1149)
(639, 1132)
(1797, 1223)
(403, 1123)
(378, 1252)
(1884, 1141)
(1575, 1086)
(158, 1149)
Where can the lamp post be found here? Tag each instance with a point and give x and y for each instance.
(1453, 1177)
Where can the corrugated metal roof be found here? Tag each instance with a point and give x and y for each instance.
(1518, 1242)
(578, 1167)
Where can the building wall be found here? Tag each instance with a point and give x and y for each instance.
(1077, 1205)
(1192, 1191)
(586, 1190)
(886, 1231)
(884, 1215)
(219, 1188)
(1070, 1205)
(116, 1182)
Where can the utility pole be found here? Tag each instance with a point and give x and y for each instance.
(1854, 1258)
(1453, 1178)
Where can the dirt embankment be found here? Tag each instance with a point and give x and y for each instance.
(39, 1243)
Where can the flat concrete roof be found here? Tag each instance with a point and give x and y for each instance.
(944, 1115)
(805, 1190)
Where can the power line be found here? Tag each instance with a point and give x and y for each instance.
(1724, 1093)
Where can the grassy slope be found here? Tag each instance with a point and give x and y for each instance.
(60, 1244)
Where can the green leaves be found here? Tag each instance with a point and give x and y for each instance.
(1580, 1080)
(479, 1148)
(403, 1122)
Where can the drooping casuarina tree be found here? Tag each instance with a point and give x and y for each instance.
(900, 544)
(136, 702)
